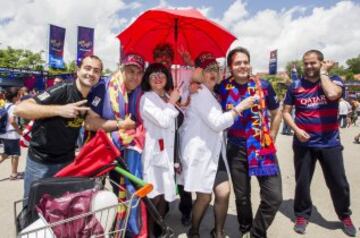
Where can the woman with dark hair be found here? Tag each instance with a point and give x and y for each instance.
(158, 112)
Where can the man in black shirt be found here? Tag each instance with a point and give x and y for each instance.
(59, 113)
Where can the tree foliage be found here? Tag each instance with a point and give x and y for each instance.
(19, 58)
(354, 65)
(279, 84)
(298, 65)
(26, 59)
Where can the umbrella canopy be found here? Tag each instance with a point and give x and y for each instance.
(187, 29)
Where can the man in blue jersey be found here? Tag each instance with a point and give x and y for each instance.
(316, 138)
(246, 156)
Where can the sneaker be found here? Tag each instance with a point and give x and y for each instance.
(348, 226)
(300, 225)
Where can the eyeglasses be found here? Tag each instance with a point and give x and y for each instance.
(157, 75)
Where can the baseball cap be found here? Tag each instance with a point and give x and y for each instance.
(206, 60)
(134, 59)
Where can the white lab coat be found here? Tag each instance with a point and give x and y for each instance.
(158, 165)
(202, 141)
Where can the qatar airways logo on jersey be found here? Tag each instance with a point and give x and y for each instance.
(313, 101)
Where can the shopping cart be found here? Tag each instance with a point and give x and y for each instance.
(99, 221)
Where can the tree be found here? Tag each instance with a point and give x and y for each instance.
(107, 72)
(354, 65)
(19, 58)
(279, 84)
(68, 69)
(339, 70)
(298, 65)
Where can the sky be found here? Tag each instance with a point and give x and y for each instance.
(290, 26)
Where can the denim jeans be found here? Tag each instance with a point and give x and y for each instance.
(35, 171)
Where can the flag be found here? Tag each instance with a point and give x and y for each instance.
(294, 74)
(85, 43)
(56, 47)
(273, 62)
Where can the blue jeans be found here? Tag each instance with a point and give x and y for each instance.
(35, 171)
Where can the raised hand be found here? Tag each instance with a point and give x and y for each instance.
(247, 103)
(327, 65)
(73, 110)
(175, 95)
(127, 123)
(185, 55)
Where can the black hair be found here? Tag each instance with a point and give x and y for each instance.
(154, 68)
(232, 52)
(91, 57)
(11, 93)
(163, 48)
(317, 52)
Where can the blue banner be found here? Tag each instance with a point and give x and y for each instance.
(273, 62)
(56, 47)
(85, 43)
(294, 74)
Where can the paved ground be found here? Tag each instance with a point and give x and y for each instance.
(324, 223)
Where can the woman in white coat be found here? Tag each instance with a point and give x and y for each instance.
(158, 112)
(203, 147)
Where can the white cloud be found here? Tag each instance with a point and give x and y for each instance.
(30, 24)
(335, 31)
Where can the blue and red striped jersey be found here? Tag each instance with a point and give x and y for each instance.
(231, 93)
(314, 113)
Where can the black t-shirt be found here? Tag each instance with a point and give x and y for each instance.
(53, 139)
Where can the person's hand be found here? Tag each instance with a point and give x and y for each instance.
(326, 66)
(247, 103)
(185, 55)
(302, 135)
(127, 123)
(174, 95)
(178, 167)
(72, 110)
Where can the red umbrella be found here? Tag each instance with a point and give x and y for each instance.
(95, 158)
(181, 28)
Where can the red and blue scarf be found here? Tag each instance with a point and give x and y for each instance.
(260, 147)
(254, 127)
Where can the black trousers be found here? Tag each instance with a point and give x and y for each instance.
(342, 121)
(270, 194)
(331, 162)
(185, 205)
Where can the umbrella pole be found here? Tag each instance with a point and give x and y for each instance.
(176, 33)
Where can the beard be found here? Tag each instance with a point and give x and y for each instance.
(312, 73)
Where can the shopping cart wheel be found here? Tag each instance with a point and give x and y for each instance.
(168, 233)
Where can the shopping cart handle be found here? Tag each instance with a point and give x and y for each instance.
(143, 187)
